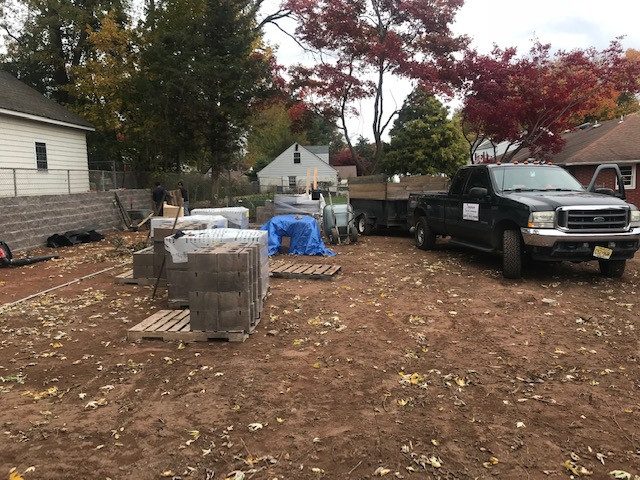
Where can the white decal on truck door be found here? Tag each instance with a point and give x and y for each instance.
(470, 211)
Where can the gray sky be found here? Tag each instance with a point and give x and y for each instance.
(565, 24)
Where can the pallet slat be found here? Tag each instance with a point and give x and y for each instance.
(174, 325)
(313, 271)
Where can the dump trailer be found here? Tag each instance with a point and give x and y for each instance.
(379, 204)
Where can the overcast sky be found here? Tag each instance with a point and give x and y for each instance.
(565, 24)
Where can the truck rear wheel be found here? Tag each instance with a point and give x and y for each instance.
(362, 226)
(425, 238)
(511, 254)
(612, 268)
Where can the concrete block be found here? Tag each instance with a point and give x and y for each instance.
(203, 301)
(234, 320)
(233, 282)
(203, 320)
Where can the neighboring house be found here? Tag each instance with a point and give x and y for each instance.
(43, 146)
(288, 171)
(488, 151)
(614, 141)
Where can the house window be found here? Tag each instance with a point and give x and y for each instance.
(292, 182)
(296, 157)
(41, 156)
(628, 176)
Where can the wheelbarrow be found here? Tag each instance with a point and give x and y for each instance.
(338, 224)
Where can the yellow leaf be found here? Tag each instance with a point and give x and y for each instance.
(435, 442)
(461, 382)
(181, 346)
(167, 473)
(235, 407)
(15, 476)
(316, 365)
(56, 345)
(280, 420)
(569, 465)
(493, 460)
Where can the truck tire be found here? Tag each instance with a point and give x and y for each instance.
(612, 268)
(511, 254)
(425, 238)
(362, 226)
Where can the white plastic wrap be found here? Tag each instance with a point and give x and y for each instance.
(211, 221)
(238, 217)
(299, 204)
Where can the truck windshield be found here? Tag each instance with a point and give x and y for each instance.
(534, 178)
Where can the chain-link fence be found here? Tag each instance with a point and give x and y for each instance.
(15, 182)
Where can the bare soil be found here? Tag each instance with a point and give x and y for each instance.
(409, 364)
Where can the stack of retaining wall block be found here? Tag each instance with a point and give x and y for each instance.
(143, 263)
(159, 234)
(223, 290)
(179, 248)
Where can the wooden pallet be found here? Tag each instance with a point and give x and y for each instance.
(305, 270)
(127, 278)
(174, 325)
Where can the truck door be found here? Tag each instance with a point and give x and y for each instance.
(477, 214)
(453, 203)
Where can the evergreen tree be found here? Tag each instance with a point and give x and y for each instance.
(423, 139)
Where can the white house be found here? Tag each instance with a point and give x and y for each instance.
(288, 172)
(43, 146)
(488, 152)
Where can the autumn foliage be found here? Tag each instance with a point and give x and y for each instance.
(530, 100)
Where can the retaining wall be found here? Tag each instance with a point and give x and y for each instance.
(26, 222)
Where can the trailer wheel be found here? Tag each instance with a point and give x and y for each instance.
(612, 268)
(362, 227)
(511, 254)
(425, 238)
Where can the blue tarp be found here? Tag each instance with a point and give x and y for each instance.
(303, 232)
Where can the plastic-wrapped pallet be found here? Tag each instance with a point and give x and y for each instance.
(209, 222)
(238, 217)
(180, 247)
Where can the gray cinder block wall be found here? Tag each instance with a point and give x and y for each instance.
(26, 222)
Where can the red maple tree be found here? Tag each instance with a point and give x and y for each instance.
(361, 42)
(529, 101)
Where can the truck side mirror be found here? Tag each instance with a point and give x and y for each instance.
(478, 192)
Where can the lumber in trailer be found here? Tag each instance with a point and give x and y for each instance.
(397, 191)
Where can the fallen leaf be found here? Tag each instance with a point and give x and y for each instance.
(253, 427)
(381, 472)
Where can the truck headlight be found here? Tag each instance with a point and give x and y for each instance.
(541, 220)
(635, 219)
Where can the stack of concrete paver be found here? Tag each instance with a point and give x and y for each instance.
(238, 217)
(179, 247)
(223, 290)
(163, 230)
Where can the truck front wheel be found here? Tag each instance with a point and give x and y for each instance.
(612, 268)
(425, 238)
(511, 254)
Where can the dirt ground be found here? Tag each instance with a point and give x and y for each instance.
(409, 364)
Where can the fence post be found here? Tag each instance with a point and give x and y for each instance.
(15, 183)
(69, 180)
(102, 181)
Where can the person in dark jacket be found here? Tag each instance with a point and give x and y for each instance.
(185, 198)
(159, 195)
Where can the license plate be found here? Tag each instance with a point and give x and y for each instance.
(602, 252)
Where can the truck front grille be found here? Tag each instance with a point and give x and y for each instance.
(593, 219)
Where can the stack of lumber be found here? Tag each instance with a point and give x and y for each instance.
(375, 187)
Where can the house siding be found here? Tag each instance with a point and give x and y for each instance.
(607, 179)
(277, 173)
(66, 150)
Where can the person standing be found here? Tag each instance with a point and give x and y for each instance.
(159, 195)
(185, 198)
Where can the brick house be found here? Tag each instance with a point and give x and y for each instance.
(614, 141)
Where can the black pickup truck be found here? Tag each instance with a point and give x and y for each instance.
(530, 210)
